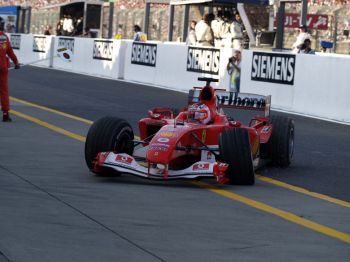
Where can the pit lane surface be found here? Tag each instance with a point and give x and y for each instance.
(53, 209)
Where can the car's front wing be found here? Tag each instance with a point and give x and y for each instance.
(124, 163)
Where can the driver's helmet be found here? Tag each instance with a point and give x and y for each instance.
(199, 113)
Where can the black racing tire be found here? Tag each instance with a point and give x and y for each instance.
(235, 150)
(108, 134)
(281, 144)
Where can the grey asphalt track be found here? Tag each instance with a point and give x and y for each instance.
(53, 209)
(322, 151)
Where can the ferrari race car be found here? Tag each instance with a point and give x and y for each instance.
(200, 141)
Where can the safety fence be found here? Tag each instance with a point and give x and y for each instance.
(313, 85)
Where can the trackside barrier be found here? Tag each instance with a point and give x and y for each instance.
(175, 66)
(98, 57)
(315, 85)
(320, 88)
(32, 48)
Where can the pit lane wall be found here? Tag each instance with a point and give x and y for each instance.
(32, 48)
(314, 85)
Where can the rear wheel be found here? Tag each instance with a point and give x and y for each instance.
(235, 150)
(281, 144)
(108, 134)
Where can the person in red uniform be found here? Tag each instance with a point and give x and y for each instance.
(6, 52)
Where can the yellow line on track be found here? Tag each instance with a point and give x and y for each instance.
(233, 196)
(262, 178)
(51, 110)
(259, 177)
(49, 126)
(304, 191)
(277, 212)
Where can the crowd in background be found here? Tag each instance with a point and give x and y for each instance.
(329, 2)
(135, 3)
(32, 3)
(71, 26)
(127, 13)
(223, 30)
(42, 3)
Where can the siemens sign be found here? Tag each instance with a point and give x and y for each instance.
(15, 41)
(273, 68)
(144, 54)
(103, 50)
(203, 60)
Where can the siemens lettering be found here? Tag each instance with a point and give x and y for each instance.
(144, 54)
(203, 60)
(274, 68)
(103, 50)
(15, 41)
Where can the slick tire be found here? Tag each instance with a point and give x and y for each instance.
(281, 144)
(108, 134)
(235, 150)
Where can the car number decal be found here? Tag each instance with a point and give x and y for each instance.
(163, 140)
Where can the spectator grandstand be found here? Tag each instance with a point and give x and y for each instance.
(130, 12)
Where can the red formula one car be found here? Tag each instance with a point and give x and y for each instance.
(200, 141)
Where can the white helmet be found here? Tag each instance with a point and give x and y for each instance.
(199, 113)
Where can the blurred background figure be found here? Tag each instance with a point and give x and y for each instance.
(191, 37)
(204, 33)
(236, 29)
(217, 26)
(88, 33)
(234, 70)
(307, 47)
(68, 25)
(59, 27)
(78, 28)
(139, 35)
(47, 30)
(303, 35)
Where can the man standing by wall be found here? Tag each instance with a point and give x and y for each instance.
(5, 52)
(217, 26)
(204, 33)
(236, 29)
(234, 70)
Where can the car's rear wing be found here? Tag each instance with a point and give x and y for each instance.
(227, 99)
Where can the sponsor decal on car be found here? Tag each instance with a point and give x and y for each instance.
(101, 158)
(266, 129)
(158, 144)
(159, 148)
(144, 54)
(203, 60)
(168, 134)
(123, 159)
(273, 68)
(200, 167)
(204, 136)
(163, 140)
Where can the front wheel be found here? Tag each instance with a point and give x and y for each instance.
(108, 134)
(235, 151)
